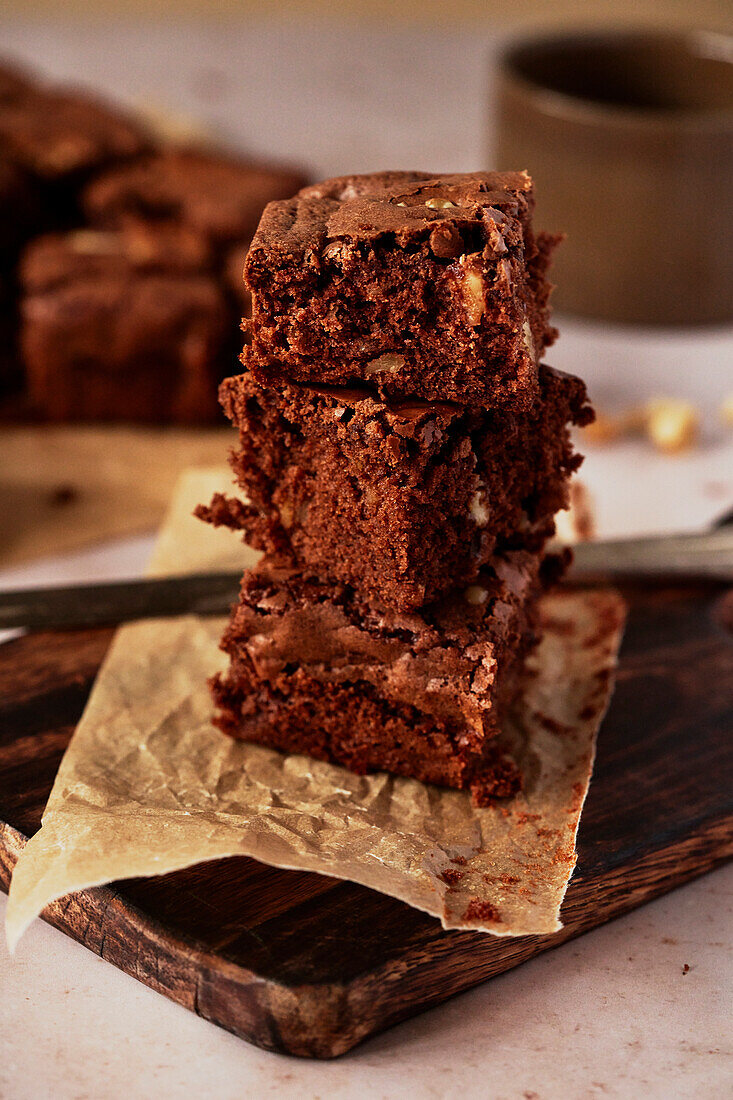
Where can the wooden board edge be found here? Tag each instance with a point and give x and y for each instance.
(325, 1021)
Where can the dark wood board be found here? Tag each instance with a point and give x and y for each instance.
(308, 965)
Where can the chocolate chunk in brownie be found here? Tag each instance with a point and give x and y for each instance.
(422, 285)
(219, 197)
(111, 330)
(314, 669)
(404, 501)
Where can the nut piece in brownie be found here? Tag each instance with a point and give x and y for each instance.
(219, 197)
(112, 330)
(314, 669)
(421, 285)
(403, 501)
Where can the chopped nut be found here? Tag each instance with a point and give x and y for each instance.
(476, 594)
(286, 515)
(389, 362)
(528, 339)
(439, 204)
(671, 424)
(479, 511)
(726, 411)
(92, 242)
(337, 250)
(473, 291)
(503, 279)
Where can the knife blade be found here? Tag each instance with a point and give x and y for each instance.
(707, 555)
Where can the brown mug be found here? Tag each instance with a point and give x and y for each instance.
(629, 138)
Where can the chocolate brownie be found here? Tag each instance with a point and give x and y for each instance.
(402, 500)
(233, 272)
(148, 290)
(219, 197)
(314, 669)
(422, 285)
(112, 330)
(62, 135)
(23, 210)
(14, 82)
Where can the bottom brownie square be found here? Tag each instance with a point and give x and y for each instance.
(315, 670)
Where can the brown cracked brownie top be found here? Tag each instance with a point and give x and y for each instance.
(408, 205)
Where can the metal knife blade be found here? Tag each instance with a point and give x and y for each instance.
(118, 601)
(708, 555)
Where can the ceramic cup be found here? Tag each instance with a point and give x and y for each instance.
(629, 137)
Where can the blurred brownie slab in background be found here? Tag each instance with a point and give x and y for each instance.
(139, 312)
(421, 285)
(122, 326)
(216, 195)
(153, 303)
(401, 500)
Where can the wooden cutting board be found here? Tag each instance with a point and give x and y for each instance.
(308, 965)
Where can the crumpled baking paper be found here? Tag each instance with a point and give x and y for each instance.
(148, 786)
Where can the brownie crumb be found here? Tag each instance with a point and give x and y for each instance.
(482, 910)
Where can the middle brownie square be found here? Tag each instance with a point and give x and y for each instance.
(402, 501)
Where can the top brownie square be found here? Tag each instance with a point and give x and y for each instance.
(417, 284)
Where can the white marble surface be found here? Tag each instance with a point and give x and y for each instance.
(612, 1014)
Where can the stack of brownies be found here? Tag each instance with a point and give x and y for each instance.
(402, 454)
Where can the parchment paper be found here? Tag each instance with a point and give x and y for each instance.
(148, 786)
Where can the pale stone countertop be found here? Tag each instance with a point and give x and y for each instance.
(614, 1013)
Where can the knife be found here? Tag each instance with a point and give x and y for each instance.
(704, 556)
